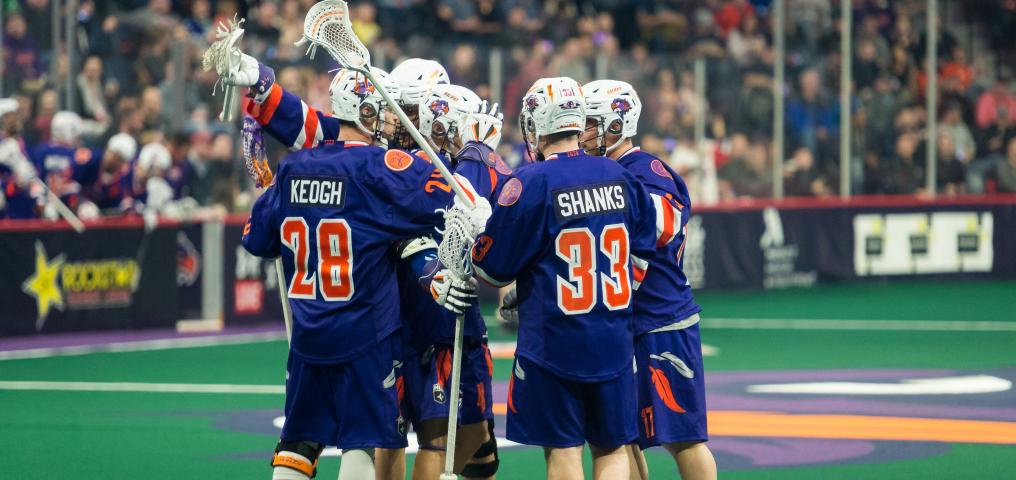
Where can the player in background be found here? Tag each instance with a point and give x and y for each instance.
(17, 173)
(112, 190)
(66, 166)
(458, 125)
(668, 348)
(567, 229)
(340, 207)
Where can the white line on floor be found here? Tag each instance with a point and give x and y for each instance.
(144, 345)
(143, 387)
(814, 324)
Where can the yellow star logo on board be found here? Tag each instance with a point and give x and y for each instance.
(42, 284)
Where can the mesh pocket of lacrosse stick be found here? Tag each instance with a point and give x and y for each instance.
(456, 246)
(255, 158)
(327, 25)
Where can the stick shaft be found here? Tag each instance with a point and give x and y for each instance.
(287, 313)
(453, 400)
(226, 115)
(61, 207)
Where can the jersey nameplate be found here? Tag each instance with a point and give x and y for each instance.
(317, 191)
(588, 200)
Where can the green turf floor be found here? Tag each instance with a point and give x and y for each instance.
(93, 435)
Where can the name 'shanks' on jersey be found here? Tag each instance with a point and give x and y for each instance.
(317, 191)
(587, 200)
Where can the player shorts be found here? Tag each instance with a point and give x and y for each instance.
(671, 387)
(551, 411)
(355, 404)
(427, 383)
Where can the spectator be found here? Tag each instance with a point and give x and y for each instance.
(746, 44)
(991, 102)
(23, 62)
(810, 117)
(951, 175)
(1007, 170)
(747, 176)
(91, 91)
(952, 123)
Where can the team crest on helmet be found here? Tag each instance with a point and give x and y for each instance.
(532, 103)
(570, 105)
(621, 106)
(363, 87)
(439, 107)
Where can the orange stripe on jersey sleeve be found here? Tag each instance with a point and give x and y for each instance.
(267, 109)
(310, 125)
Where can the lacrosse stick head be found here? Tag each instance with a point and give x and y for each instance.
(454, 251)
(327, 25)
(223, 55)
(255, 158)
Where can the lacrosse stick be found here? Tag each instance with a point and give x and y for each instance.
(327, 25)
(256, 161)
(224, 57)
(60, 207)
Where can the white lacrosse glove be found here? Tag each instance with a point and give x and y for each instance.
(508, 312)
(483, 125)
(254, 74)
(476, 215)
(452, 293)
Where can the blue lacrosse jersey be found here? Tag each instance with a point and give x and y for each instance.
(337, 209)
(566, 230)
(290, 120)
(665, 296)
(67, 170)
(426, 322)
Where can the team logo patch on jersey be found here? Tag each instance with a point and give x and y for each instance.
(657, 167)
(82, 155)
(510, 193)
(588, 200)
(499, 164)
(317, 191)
(397, 160)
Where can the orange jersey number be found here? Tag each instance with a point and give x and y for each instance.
(335, 259)
(577, 247)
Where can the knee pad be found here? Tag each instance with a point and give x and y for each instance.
(487, 469)
(309, 450)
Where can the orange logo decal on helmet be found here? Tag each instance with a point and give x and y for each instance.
(397, 160)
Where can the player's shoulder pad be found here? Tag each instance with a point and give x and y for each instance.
(482, 153)
(531, 180)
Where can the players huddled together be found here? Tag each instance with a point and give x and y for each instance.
(590, 233)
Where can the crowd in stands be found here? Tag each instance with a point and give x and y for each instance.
(143, 110)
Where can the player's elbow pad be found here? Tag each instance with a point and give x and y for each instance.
(638, 267)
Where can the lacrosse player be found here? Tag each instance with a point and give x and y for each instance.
(668, 349)
(569, 229)
(456, 123)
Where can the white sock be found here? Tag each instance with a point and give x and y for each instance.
(356, 464)
(286, 473)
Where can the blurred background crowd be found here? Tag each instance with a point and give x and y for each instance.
(146, 109)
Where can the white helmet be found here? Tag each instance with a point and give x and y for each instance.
(552, 105)
(354, 96)
(608, 101)
(154, 156)
(123, 145)
(415, 77)
(445, 106)
(65, 128)
(8, 105)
